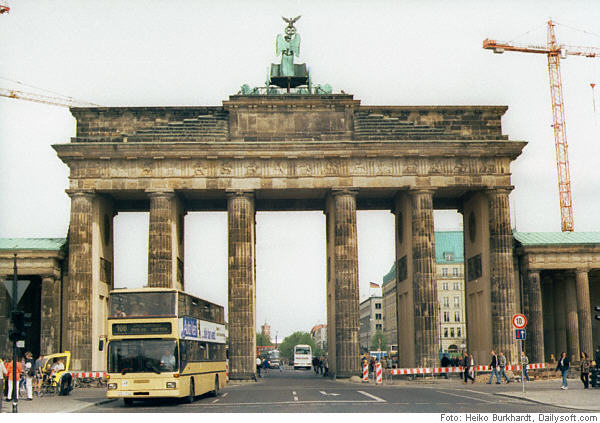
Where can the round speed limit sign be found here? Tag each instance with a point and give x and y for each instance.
(519, 321)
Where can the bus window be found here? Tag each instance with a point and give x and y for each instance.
(142, 304)
(142, 355)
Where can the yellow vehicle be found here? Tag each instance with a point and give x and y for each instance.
(53, 373)
(164, 343)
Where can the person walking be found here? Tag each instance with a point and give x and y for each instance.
(563, 366)
(584, 368)
(11, 383)
(524, 363)
(502, 366)
(38, 376)
(258, 366)
(445, 363)
(29, 374)
(467, 367)
(2, 374)
(494, 366)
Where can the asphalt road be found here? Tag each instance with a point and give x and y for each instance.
(302, 391)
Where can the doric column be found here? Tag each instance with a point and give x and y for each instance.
(536, 319)
(548, 305)
(50, 332)
(560, 316)
(165, 243)
(502, 284)
(583, 311)
(79, 288)
(426, 318)
(241, 285)
(345, 281)
(572, 318)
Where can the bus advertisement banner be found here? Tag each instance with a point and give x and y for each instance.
(201, 330)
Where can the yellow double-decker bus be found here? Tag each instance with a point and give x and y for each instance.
(163, 343)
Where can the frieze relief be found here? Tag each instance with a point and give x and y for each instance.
(281, 167)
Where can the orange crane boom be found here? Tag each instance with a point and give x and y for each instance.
(45, 99)
(555, 52)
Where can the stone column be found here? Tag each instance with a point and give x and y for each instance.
(345, 280)
(583, 311)
(79, 288)
(502, 284)
(50, 321)
(572, 318)
(426, 307)
(560, 317)
(165, 246)
(548, 325)
(536, 317)
(241, 285)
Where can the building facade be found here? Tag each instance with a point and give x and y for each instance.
(319, 335)
(371, 320)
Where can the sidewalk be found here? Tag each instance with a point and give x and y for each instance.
(79, 399)
(549, 393)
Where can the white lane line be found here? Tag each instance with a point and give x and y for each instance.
(225, 394)
(295, 395)
(371, 396)
(215, 400)
(463, 397)
(227, 404)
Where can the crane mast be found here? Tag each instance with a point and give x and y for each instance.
(555, 52)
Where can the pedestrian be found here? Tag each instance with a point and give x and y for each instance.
(524, 363)
(445, 363)
(29, 374)
(326, 367)
(472, 367)
(502, 366)
(585, 370)
(258, 365)
(2, 374)
(9, 372)
(467, 368)
(494, 367)
(38, 378)
(563, 366)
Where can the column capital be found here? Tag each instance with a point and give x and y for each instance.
(160, 192)
(344, 191)
(415, 191)
(582, 270)
(81, 193)
(233, 193)
(500, 190)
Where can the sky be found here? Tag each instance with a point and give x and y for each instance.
(184, 52)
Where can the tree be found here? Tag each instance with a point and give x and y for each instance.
(262, 340)
(286, 348)
(378, 341)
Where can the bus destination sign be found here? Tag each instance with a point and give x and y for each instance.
(154, 328)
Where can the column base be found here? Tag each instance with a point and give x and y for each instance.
(243, 376)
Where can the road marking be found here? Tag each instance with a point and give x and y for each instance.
(295, 396)
(371, 396)
(215, 400)
(325, 393)
(463, 397)
(225, 394)
(226, 404)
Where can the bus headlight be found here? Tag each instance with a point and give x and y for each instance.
(112, 386)
(171, 385)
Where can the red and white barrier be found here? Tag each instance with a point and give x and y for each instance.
(93, 375)
(378, 374)
(459, 369)
(227, 372)
(365, 377)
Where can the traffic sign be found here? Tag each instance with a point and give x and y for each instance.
(519, 321)
(520, 334)
(21, 287)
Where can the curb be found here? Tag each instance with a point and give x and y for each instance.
(544, 403)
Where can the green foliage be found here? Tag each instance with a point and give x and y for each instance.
(378, 341)
(286, 348)
(262, 340)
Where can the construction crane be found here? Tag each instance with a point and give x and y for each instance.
(45, 99)
(555, 52)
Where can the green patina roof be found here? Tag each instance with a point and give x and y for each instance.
(554, 238)
(32, 243)
(445, 242)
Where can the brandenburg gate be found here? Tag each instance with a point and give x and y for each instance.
(303, 149)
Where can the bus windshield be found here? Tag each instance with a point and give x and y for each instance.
(302, 350)
(142, 304)
(142, 356)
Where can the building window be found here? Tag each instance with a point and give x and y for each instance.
(378, 306)
(456, 286)
(445, 332)
(446, 302)
(446, 316)
(458, 332)
(378, 327)
(378, 316)
(445, 272)
(445, 286)
(455, 272)
(451, 332)
(457, 316)
(456, 302)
